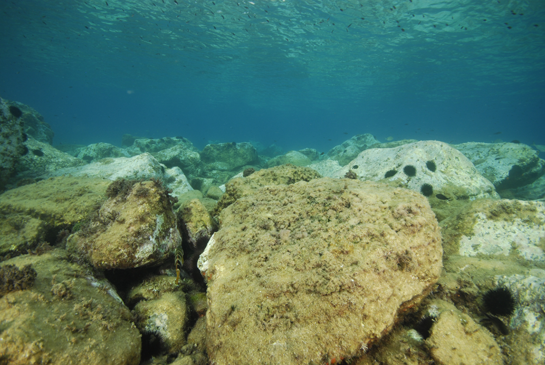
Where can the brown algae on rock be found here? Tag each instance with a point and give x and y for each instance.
(136, 226)
(65, 317)
(314, 272)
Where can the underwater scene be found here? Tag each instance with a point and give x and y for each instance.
(195, 182)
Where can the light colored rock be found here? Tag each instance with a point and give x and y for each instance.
(509, 228)
(143, 166)
(349, 149)
(142, 145)
(506, 165)
(313, 271)
(64, 317)
(456, 339)
(292, 157)
(137, 227)
(454, 173)
(98, 151)
(214, 192)
(326, 168)
(165, 317)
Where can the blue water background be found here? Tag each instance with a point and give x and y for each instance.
(295, 73)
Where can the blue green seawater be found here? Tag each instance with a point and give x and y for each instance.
(297, 73)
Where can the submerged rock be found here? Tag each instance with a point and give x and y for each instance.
(229, 156)
(457, 339)
(143, 166)
(506, 165)
(98, 151)
(65, 316)
(136, 226)
(349, 149)
(279, 175)
(33, 122)
(292, 157)
(43, 160)
(314, 272)
(429, 167)
(510, 229)
(11, 141)
(37, 213)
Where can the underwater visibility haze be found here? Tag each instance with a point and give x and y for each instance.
(295, 73)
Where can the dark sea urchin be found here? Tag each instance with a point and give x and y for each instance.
(499, 302)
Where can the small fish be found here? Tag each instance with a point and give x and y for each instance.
(441, 196)
(390, 138)
(497, 133)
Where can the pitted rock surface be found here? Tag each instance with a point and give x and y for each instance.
(313, 272)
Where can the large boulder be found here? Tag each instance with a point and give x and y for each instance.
(292, 157)
(141, 145)
(279, 175)
(43, 160)
(11, 141)
(43, 212)
(65, 316)
(180, 156)
(229, 156)
(33, 123)
(510, 229)
(349, 149)
(429, 167)
(98, 151)
(135, 227)
(143, 166)
(315, 272)
(506, 165)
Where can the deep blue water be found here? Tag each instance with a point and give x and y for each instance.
(295, 73)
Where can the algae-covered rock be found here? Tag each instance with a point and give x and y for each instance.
(292, 157)
(349, 149)
(506, 165)
(284, 174)
(429, 167)
(315, 271)
(507, 229)
(142, 145)
(11, 141)
(229, 156)
(166, 317)
(133, 228)
(65, 317)
(97, 151)
(456, 339)
(37, 212)
(196, 223)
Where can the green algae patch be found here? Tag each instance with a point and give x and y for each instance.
(35, 213)
(315, 272)
(66, 317)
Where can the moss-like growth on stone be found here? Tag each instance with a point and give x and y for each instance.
(12, 278)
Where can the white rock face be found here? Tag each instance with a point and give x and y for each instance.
(452, 168)
(326, 168)
(143, 166)
(500, 237)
